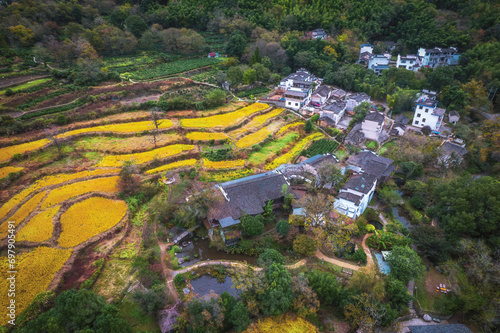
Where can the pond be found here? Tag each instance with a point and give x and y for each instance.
(401, 218)
(205, 285)
(382, 264)
(376, 224)
(203, 252)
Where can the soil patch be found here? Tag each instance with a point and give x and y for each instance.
(19, 79)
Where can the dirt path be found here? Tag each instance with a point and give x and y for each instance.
(369, 258)
(335, 261)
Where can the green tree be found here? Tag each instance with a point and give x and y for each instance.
(405, 264)
(215, 98)
(315, 118)
(249, 76)
(136, 25)
(239, 317)
(282, 227)
(325, 285)
(236, 44)
(255, 57)
(278, 296)
(79, 311)
(151, 300)
(235, 76)
(431, 242)
(390, 196)
(269, 257)
(308, 127)
(227, 302)
(252, 225)
(305, 245)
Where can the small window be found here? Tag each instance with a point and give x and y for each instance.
(289, 103)
(296, 104)
(418, 115)
(420, 107)
(426, 110)
(423, 120)
(416, 123)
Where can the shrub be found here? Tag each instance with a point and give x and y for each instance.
(179, 280)
(269, 257)
(417, 201)
(308, 126)
(282, 227)
(151, 300)
(360, 255)
(305, 245)
(252, 225)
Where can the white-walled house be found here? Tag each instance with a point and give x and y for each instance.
(321, 95)
(428, 114)
(332, 113)
(410, 62)
(354, 100)
(438, 56)
(301, 75)
(295, 98)
(378, 62)
(372, 125)
(355, 195)
(366, 48)
(453, 117)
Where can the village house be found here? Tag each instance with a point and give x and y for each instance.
(453, 117)
(318, 33)
(213, 55)
(246, 195)
(399, 125)
(355, 99)
(295, 98)
(301, 75)
(428, 114)
(355, 195)
(452, 153)
(410, 62)
(372, 125)
(331, 114)
(378, 62)
(320, 95)
(436, 57)
(338, 93)
(370, 163)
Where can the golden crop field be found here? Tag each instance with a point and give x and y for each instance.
(226, 175)
(232, 164)
(253, 138)
(35, 271)
(206, 136)
(224, 120)
(4, 172)
(89, 218)
(174, 165)
(285, 158)
(7, 153)
(286, 127)
(48, 181)
(256, 122)
(22, 213)
(39, 228)
(63, 193)
(133, 127)
(141, 158)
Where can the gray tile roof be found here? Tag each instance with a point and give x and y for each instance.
(376, 117)
(295, 93)
(439, 111)
(359, 97)
(327, 119)
(322, 91)
(373, 164)
(356, 199)
(454, 114)
(451, 147)
(248, 195)
(336, 107)
(361, 183)
(402, 119)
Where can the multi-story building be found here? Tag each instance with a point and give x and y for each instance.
(332, 113)
(427, 113)
(355, 99)
(438, 57)
(301, 76)
(355, 195)
(378, 62)
(411, 62)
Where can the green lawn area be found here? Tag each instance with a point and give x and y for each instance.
(138, 319)
(372, 145)
(271, 148)
(341, 154)
(386, 147)
(26, 85)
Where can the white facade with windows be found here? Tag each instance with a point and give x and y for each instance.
(428, 114)
(355, 195)
(410, 62)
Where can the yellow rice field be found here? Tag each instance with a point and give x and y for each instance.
(4, 172)
(285, 158)
(226, 175)
(7, 153)
(206, 136)
(233, 164)
(148, 156)
(22, 213)
(63, 193)
(89, 218)
(39, 228)
(133, 127)
(253, 138)
(171, 166)
(35, 271)
(51, 180)
(224, 120)
(286, 127)
(256, 122)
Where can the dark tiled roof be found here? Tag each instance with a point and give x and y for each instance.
(228, 221)
(360, 97)
(322, 91)
(444, 328)
(402, 119)
(376, 117)
(295, 93)
(249, 195)
(350, 197)
(361, 183)
(451, 147)
(319, 159)
(339, 92)
(372, 164)
(439, 111)
(336, 107)
(327, 120)
(454, 114)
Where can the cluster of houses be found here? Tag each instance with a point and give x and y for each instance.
(430, 58)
